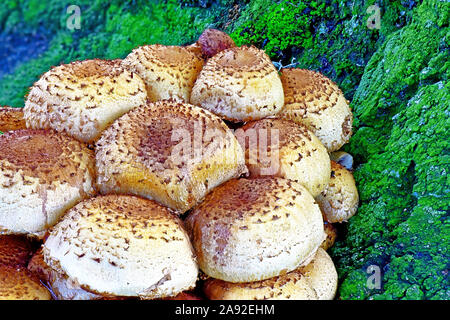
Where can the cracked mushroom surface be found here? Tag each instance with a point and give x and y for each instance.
(42, 174)
(254, 229)
(169, 72)
(11, 119)
(316, 281)
(168, 151)
(83, 98)
(239, 84)
(283, 148)
(317, 102)
(145, 251)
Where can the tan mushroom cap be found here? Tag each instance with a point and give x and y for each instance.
(83, 98)
(20, 284)
(317, 102)
(42, 174)
(254, 229)
(212, 41)
(239, 84)
(316, 281)
(168, 71)
(11, 119)
(145, 251)
(339, 201)
(286, 149)
(15, 251)
(331, 233)
(168, 151)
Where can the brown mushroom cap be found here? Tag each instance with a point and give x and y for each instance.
(42, 174)
(286, 149)
(254, 229)
(15, 251)
(168, 71)
(239, 84)
(339, 201)
(83, 98)
(212, 41)
(315, 101)
(331, 233)
(11, 119)
(20, 284)
(144, 250)
(172, 152)
(316, 281)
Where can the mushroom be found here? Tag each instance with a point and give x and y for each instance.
(317, 102)
(239, 84)
(42, 174)
(145, 251)
(168, 151)
(83, 98)
(255, 229)
(18, 283)
(339, 200)
(331, 232)
(283, 148)
(343, 158)
(168, 71)
(316, 281)
(213, 41)
(11, 119)
(15, 250)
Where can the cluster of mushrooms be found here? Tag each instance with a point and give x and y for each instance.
(179, 172)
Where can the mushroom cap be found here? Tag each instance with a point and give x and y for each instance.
(168, 151)
(212, 41)
(316, 281)
(317, 102)
(254, 229)
(42, 174)
(15, 251)
(168, 71)
(11, 119)
(286, 149)
(20, 284)
(339, 200)
(331, 232)
(239, 84)
(145, 251)
(83, 98)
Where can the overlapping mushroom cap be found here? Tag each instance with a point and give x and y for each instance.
(11, 119)
(120, 245)
(83, 98)
(42, 174)
(20, 284)
(168, 71)
(254, 229)
(172, 152)
(317, 102)
(239, 84)
(283, 148)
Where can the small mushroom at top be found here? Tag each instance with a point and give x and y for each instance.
(212, 41)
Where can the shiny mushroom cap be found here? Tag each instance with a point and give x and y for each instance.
(20, 284)
(212, 41)
(83, 98)
(339, 201)
(42, 174)
(145, 251)
(239, 84)
(254, 229)
(286, 149)
(315, 101)
(168, 151)
(11, 119)
(168, 71)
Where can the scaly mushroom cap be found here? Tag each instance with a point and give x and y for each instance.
(15, 251)
(212, 41)
(339, 201)
(122, 246)
(11, 119)
(331, 233)
(168, 71)
(171, 152)
(255, 229)
(42, 174)
(239, 84)
(315, 101)
(285, 149)
(83, 98)
(20, 284)
(316, 281)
